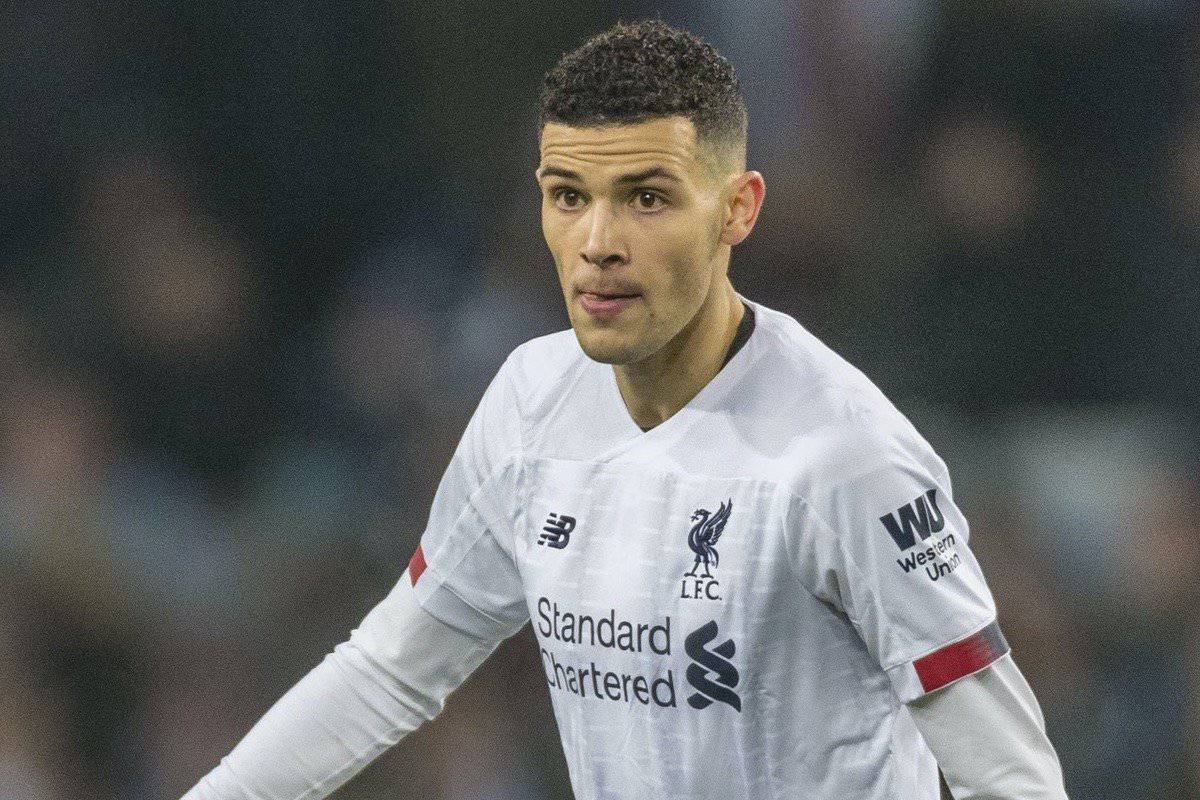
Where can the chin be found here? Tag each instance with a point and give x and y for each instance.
(607, 348)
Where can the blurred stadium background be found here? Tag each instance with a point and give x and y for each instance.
(259, 261)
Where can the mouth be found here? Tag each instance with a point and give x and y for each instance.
(606, 305)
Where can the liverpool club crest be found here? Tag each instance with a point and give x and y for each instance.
(702, 539)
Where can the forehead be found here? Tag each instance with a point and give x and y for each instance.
(668, 142)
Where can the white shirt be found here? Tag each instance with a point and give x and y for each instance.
(737, 603)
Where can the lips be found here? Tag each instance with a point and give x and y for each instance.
(609, 289)
(609, 295)
(606, 305)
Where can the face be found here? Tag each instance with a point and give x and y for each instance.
(635, 217)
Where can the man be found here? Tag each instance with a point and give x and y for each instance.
(743, 565)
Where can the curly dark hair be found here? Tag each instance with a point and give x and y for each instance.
(644, 70)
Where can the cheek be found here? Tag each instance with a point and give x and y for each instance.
(553, 235)
(549, 233)
(688, 265)
(681, 284)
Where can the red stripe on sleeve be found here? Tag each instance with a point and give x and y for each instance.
(961, 658)
(416, 565)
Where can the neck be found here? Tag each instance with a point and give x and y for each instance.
(655, 388)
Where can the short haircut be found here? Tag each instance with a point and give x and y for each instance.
(635, 72)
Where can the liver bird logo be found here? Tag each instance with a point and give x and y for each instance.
(703, 536)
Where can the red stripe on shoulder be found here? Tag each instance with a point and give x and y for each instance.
(416, 565)
(961, 658)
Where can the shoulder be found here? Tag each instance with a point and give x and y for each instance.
(539, 370)
(510, 406)
(839, 425)
(540, 365)
(545, 357)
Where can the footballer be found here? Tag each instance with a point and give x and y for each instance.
(744, 568)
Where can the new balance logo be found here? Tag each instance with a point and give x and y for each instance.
(921, 518)
(557, 531)
(715, 661)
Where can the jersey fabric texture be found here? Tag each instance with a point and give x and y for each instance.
(737, 603)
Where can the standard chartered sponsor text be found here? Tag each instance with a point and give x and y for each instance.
(605, 630)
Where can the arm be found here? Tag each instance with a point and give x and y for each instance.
(440, 622)
(393, 674)
(887, 545)
(989, 737)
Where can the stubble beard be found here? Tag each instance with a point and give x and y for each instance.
(618, 350)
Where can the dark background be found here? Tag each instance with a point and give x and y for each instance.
(259, 261)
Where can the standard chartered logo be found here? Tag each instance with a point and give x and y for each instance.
(712, 674)
(715, 661)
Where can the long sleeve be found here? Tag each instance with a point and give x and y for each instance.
(460, 597)
(393, 674)
(988, 735)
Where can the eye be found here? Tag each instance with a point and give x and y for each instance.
(646, 200)
(567, 198)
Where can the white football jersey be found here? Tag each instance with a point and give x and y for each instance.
(735, 604)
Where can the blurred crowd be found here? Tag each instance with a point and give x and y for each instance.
(257, 264)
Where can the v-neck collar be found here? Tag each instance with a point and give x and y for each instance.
(727, 376)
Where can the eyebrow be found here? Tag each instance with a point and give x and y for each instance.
(634, 177)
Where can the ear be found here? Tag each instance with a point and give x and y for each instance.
(741, 210)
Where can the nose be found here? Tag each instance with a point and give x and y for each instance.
(604, 246)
